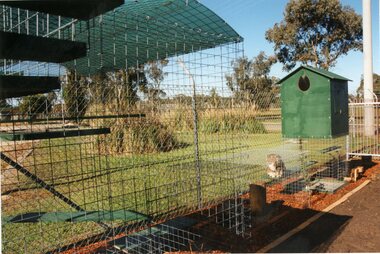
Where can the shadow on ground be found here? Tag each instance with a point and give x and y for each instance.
(315, 236)
(217, 238)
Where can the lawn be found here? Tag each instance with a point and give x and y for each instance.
(159, 184)
(151, 184)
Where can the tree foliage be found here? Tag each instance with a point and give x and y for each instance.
(215, 99)
(33, 105)
(118, 89)
(4, 104)
(250, 81)
(155, 75)
(376, 86)
(76, 94)
(315, 32)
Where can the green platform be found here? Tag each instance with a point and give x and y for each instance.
(135, 240)
(17, 86)
(34, 48)
(50, 134)
(94, 216)
(66, 118)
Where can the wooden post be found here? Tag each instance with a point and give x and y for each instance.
(258, 198)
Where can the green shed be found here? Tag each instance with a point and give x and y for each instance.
(314, 104)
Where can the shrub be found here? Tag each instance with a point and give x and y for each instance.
(35, 104)
(183, 120)
(139, 136)
(230, 123)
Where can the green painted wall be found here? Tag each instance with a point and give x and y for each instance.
(319, 112)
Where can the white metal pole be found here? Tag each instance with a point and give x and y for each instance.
(368, 69)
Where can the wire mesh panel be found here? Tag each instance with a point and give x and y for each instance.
(137, 132)
(364, 139)
(166, 237)
(232, 214)
(320, 165)
(160, 119)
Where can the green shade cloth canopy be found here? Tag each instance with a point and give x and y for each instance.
(129, 36)
(147, 30)
(78, 216)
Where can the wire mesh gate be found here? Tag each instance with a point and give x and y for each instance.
(364, 139)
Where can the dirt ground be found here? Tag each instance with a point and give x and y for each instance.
(353, 226)
(362, 233)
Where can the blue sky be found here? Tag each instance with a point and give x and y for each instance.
(251, 18)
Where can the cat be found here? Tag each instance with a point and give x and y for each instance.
(276, 166)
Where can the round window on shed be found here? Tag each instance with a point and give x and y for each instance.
(304, 83)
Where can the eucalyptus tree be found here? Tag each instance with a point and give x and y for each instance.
(250, 82)
(315, 32)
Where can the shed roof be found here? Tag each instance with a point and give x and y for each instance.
(325, 73)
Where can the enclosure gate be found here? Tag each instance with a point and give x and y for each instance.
(364, 138)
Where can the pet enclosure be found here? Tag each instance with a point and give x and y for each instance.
(117, 123)
(107, 123)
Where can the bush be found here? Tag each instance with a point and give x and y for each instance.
(75, 95)
(230, 123)
(33, 105)
(183, 120)
(140, 137)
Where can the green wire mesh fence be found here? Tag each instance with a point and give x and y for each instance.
(151, 124)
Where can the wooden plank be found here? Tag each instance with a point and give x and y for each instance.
(17, 86)
(79, 9)
(39, 181)
(50, 134)
(34, 48)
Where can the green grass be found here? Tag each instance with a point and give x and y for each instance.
(152, 183)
